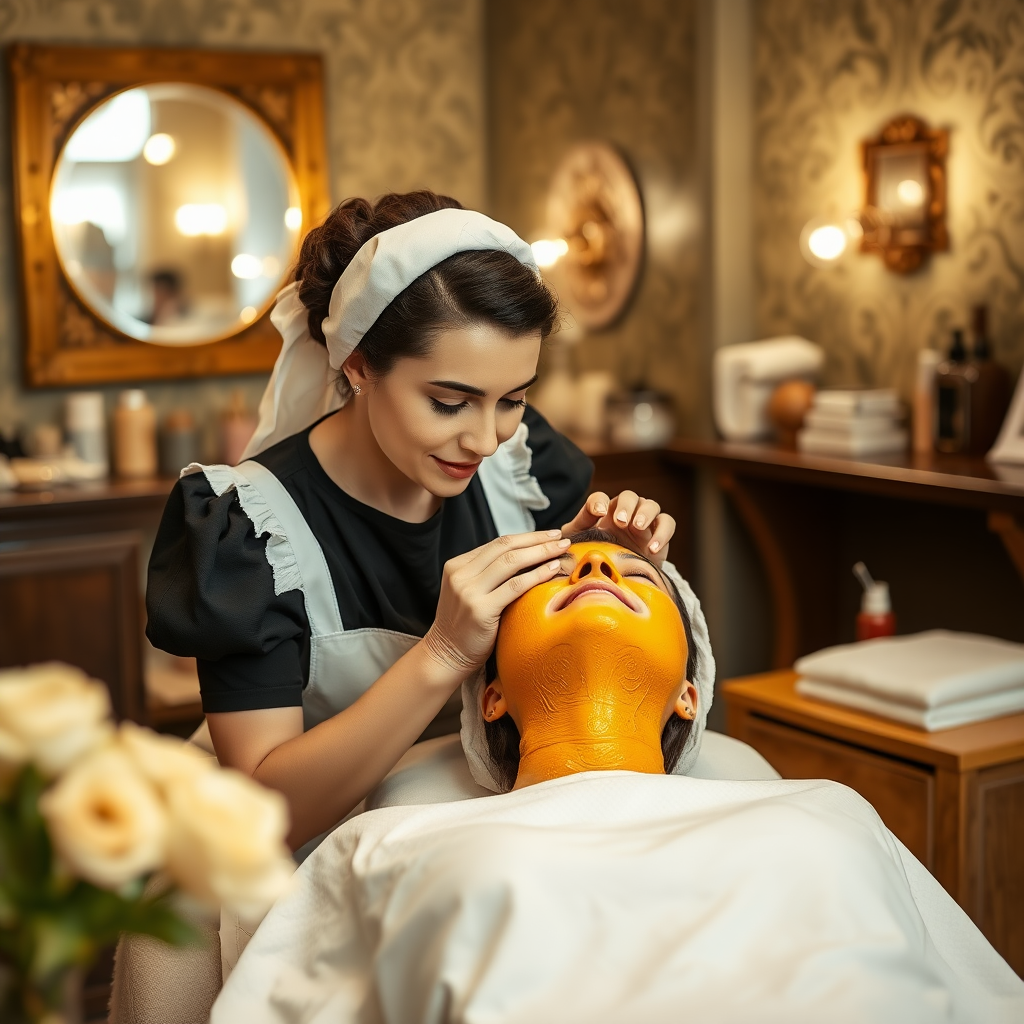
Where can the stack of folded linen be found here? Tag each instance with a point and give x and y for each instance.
(934, 680)
(853, 423)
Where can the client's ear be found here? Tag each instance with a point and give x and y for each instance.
(686, 704)
(492, 704)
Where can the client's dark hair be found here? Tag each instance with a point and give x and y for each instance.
(503, 735)
(486, 286)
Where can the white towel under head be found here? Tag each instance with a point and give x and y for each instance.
(934, 680)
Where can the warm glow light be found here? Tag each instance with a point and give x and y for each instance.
(827, 242)
(247, 315)
(115, 132)
(246, 267)
(548, 251)
(270, 267)
(158, 149)
(194, 219)
(102, 205)
(293, 218)
(910, 192)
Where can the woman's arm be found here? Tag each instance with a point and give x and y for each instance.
(325, 772)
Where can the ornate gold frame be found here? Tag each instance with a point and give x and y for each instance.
(52, 89)
(904, 250)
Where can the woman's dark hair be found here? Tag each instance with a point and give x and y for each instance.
(503, 735)
(485, 286)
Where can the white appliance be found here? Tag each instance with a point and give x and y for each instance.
(746, 375)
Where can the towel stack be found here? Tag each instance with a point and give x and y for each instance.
(853, 423)
(934, 680)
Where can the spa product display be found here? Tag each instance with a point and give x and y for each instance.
(933, 680)
(853, 423)
(134, 435)
(179, 442)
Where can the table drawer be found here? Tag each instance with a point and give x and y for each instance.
(903, 793)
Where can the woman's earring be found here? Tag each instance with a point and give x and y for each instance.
(356, 389)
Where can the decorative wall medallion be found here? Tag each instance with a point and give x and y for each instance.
(594, 204)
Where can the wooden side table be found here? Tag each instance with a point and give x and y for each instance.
(955, 798)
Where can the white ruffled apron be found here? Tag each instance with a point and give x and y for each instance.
(344, 663)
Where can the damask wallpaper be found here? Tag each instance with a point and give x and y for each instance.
(624, 73)
(405, 109)
(831, 74)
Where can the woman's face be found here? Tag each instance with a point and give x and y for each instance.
(437, 416)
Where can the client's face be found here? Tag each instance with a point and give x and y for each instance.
(592, 664)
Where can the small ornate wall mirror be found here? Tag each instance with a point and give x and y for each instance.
(162, 197)
(904, 215)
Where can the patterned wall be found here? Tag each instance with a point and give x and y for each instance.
(601, 69)
(404, 110)
(830, 74)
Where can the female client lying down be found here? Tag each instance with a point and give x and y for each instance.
(593, 886)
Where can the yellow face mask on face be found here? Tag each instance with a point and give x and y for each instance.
(591, 665)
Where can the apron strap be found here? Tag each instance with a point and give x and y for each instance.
(510, 488)
(317, 585)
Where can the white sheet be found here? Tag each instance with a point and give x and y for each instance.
(615, 897)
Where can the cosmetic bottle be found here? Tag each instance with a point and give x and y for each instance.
(87, 427)
(924, 400)
(237, 425)
(179, 442)
(134, 435)
(954, 379)
(990, 396)
(876, 616)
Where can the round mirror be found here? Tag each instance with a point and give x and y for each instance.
(175, 214)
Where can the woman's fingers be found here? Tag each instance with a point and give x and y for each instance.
(475, 561)
(514, 588)
(646, 512)
(657, 546)
(594, 509)
(623, 508)
(513, 561)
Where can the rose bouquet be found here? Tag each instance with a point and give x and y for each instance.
(88, 812)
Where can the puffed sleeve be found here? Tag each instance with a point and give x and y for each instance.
(560, 468)
(210, 595)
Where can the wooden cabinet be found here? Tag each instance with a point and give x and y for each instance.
(954, 798)
(71, 570)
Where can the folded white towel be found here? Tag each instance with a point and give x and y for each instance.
(925, 671)
(977, 709)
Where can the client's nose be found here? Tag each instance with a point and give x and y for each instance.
(595, 563)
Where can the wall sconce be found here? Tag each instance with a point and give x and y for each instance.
(597, 220)
(904, 215)
(825, 241)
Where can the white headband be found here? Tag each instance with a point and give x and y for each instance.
(301, 388)
(474, 736)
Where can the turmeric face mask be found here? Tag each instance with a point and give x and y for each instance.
(591, 665)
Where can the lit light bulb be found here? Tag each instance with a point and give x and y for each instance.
(910, 192)
(246, 266)
(158, 149)
(548, 251)
(195, 219)
(827, 242)
(247, 314)
(293, 218)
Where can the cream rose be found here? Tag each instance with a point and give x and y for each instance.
(163, 760)
(227, 841)
(51, 715)
(105, 819)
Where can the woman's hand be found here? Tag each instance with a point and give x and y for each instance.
(636, 522)
(478, 586)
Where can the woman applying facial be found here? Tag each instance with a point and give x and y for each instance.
(338, 586)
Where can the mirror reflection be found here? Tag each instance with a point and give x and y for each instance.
(175, 213)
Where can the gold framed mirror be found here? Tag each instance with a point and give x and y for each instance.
(162, 197)
(904, 215)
